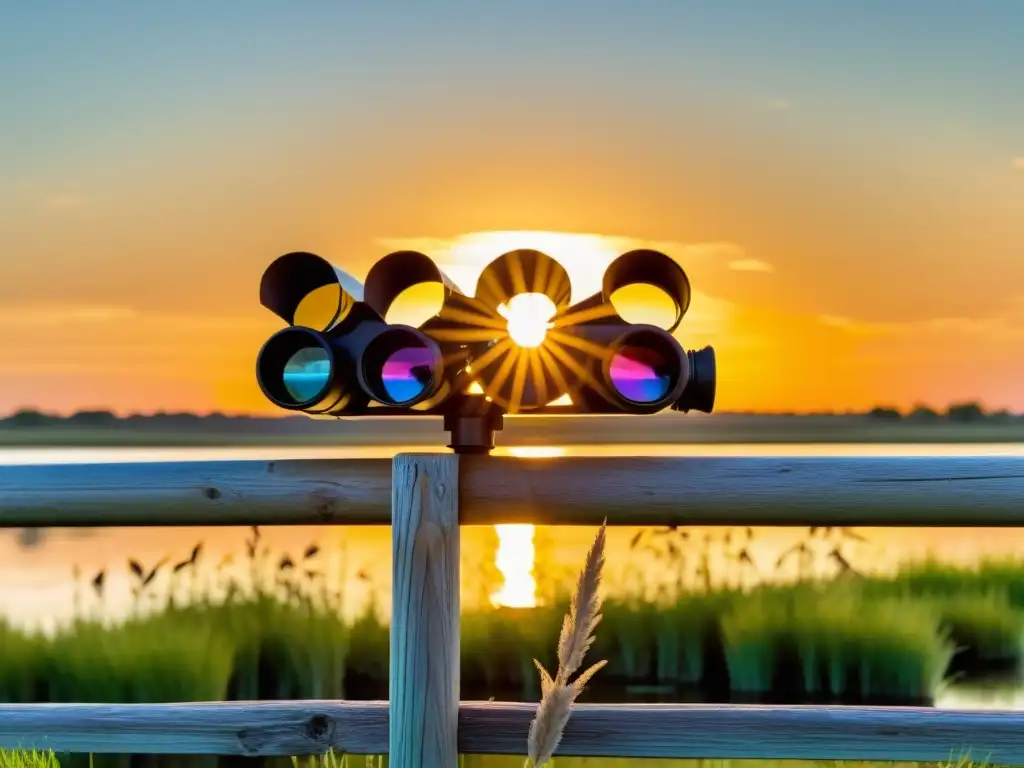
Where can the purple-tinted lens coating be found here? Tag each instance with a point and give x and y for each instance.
(640, 374)
(407, 372)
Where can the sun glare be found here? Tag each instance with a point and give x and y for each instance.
(585, 256)
(514, 560)
(529, 321)
(528, 316)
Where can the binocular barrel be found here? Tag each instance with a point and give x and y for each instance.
(645, 267)
(351, 366)
(298, 369)
(523, 271)
(401, 367)
(642, 369)
(306, 290)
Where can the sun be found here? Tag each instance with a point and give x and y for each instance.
(515, 561)
(529, 317)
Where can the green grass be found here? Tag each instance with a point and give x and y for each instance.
(834, 643)
(982, 607)
(28, 759)
(932, 578)
(251, 649)
(848, 640)
(853, 639)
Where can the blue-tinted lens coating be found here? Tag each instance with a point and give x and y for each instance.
(407, 372)
(640, 374)
(306, 373)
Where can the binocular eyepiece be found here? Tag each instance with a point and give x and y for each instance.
(699, 393)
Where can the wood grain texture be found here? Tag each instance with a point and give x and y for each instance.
(214, 728)
(912, 491)
(305, 492)
(643, 730)
(925, 491)
(424, 679)
(706, 731)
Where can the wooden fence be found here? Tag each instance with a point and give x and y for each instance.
(425, 498)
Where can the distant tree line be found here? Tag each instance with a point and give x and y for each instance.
(957, 413)
(29, 417)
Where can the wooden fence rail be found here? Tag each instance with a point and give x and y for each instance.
(912, 491)
(595, 730)
(426, 498)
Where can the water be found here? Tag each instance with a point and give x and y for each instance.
(38, 577)
(39, 587)
(103, 455)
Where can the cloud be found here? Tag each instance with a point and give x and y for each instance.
(779, 105)
(750, 265)
(37, 315)
(715, 249)
(49, 315)
(1006, 326)
(1017, 163)
(64, 201)
(58, 197)
(480, 246)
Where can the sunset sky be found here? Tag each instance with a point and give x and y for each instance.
(843, 182)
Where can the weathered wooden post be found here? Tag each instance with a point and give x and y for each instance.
(424, 679)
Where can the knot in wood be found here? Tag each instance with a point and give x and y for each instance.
(440, 490)
(250, 741)
(319, 728)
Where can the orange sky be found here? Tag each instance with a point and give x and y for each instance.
(849, 246)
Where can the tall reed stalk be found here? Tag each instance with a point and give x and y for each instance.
(560, 692)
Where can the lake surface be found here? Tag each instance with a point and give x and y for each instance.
(37, 572)
(16, 456)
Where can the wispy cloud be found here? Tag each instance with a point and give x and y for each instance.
(1017, 163)
(41, 314)
(750, 265)
(585, 255)
(59, 197)
(64, 200)
(49, 315)
(1005, 326)
(717, 249)
(779, 105)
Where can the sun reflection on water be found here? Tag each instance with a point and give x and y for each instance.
(516, 555)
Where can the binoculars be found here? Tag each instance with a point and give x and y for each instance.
(518, 345)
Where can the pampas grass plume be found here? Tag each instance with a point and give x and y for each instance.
(558, 694)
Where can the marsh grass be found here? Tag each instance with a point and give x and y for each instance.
(933, 578)
(834, 644)
(28, 759)
(276, 635)
(200, 633)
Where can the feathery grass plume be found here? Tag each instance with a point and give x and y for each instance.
(557, 693)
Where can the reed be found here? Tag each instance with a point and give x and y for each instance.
(199, 632)
(559, 692)
(29, 759)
